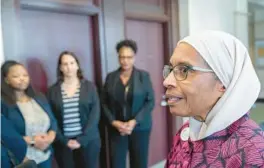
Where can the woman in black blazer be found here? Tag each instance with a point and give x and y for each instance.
(76, 107)
(128, 101)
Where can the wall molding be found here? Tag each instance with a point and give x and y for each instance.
(141, 11)
(71, 7)
(160, 164)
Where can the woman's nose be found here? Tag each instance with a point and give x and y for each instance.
(169, 81)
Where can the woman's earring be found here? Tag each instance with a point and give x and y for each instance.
(223, 88)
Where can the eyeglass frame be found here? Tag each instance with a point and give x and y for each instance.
(189, 67)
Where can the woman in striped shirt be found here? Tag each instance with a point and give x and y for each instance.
(76, 106)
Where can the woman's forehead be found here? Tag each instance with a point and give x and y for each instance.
(185, 54)
(17, 68)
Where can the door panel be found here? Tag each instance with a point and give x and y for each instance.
(150, 2)
(44, 35)
(150, 57)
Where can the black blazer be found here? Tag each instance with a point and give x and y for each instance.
(89, 109)
(143, 98)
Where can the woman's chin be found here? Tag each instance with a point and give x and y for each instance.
(178, 112)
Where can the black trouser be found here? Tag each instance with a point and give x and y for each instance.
(137, 144)
(84, 157)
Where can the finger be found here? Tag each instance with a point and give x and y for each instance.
(122, 130)
(125, 132)
(127, 129)
(122, 126)
(41, 135)
(126, 124)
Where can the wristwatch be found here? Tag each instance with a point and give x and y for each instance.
(32, 142)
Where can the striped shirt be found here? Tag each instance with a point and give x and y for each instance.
(71, 115)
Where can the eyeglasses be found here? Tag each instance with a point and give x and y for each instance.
(181, 71)
(126, 57)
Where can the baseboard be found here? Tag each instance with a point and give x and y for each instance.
(159, 165)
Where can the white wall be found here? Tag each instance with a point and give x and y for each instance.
(225, 15)
(183, 18)
(213, 14)
(1, 40)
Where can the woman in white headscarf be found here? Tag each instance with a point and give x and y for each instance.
(211, 80)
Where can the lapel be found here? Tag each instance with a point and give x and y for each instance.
(137, 87)
(41, 104)
(83, 92)
(112, 87)
(58, 99)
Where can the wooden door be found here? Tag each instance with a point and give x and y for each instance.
(150, 57)
(44, 35)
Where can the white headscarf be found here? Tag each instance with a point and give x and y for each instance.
(230, 61)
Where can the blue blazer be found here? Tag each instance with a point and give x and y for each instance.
(12, 141)
(13, 113)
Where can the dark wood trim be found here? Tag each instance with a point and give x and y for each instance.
(100, 72)
(97, 2)
(171, 36)
(161, 3)
(170, 22)
(111, 31)
(70, 7)
(147, 17)
(145, 12)
(97, 51)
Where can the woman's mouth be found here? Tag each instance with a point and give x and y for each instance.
(171, 99)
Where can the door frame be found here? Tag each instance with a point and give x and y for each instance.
(168, 16)
(90, 9)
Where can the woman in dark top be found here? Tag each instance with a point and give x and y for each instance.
(76, 107)
(29, 113)
(128, 101)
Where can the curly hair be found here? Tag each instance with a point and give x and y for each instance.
(127, 43)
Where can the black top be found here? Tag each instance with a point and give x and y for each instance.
(143, 99)
(124, 96)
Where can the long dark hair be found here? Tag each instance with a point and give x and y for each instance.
(7, 92)
(60, 76)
